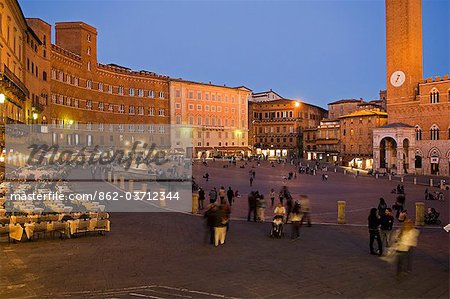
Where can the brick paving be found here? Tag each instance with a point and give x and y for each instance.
(163, 255)
(360, 194)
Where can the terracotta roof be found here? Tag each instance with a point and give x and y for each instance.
(365, 113)
(397, 125)
(346, 101)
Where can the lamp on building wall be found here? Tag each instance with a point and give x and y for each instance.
(2, 98)
(35, 116)
(297, 104)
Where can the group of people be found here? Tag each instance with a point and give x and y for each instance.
(398, 244)
(214, 195)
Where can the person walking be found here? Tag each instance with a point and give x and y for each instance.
(230, 195)
(374, 233)
(201, 198)
(296, 218)
(386, 223)
(252, 205)
(305, 208)
(210, 216)
(222, 194)
(220, 226)
(213, 195)
(272, 197)
(261, 207)
(382, 206)
(289, 206)
(407, 240)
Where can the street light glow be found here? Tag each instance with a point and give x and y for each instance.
(2, 98)
(35, 116)
(297, 104)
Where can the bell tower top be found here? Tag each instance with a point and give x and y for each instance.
(403, 50)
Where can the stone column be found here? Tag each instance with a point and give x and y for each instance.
(420, 213)
(400, 160)
(341, 211)
(194, 203)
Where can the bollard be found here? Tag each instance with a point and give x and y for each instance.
(109, 176)
(143, 187)
(431, 182)
(122, 182)
(415, 181)
(162, 197)
(376, 175)
(335, 170)
(341, 212)
(420, 213)
(194, 203)
(442, 185)
(131, 186)
(390, 177)
(345, 171)
(115, 179)
(314, 172)
(401, 179)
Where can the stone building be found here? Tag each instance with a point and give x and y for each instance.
(74, 90)
(417, 136)
(14, 94)
(327, 143)
(356, 134)
(277, 126)
(217, 116)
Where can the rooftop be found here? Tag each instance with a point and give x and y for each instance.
(359, 113)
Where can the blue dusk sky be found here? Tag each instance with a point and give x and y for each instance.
(315, 51)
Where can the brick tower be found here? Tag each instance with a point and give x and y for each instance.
(403, 55)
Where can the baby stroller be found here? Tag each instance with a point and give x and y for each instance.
(432, 217)
(277, 227)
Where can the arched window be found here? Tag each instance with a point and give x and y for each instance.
(434, 96)
(434, 133)
(418, 133)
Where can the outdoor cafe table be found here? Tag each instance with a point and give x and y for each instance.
(15, 232)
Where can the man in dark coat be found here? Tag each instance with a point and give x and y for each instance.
(211, 218)
(230, 194)
(252, 205)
